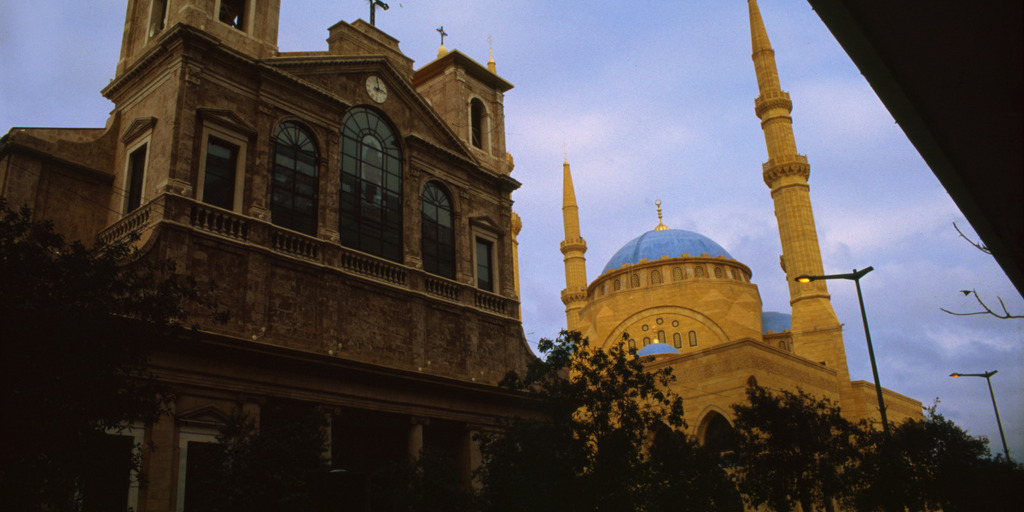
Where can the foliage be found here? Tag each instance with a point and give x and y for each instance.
(432, 483)
(279, 466)
(589, 448)
(933, 464)
(78, 328)
(794, 448)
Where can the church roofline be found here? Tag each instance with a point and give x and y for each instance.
(474, 68)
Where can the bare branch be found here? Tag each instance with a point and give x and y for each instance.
(1005, 315)
(980, 246)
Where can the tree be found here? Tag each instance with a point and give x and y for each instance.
(794, 448)
(933, 464)
(589, 448)
(78, 325)
(279, 467)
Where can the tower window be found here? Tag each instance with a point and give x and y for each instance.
(219, 179)
(661, 336)
(157, 16)
(294, 190)
(232, 12)
(677, 340)
(677, 274)
(484, 264)
(618, 285)
(135, 177)
(655, 277)
(438, 240)
(370, 217)
(698, 271)
(718, 272)
(477, 114)
(634, 281)
(693, 338)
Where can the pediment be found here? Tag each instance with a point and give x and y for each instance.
(138, 127)
(485, 223)
(343, 79)
(207, 416)
(227, 119)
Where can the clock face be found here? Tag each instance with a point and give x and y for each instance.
(376, 89)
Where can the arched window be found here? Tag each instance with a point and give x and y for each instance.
(677, 340)
(632, 343)
(293, 194)
(370, 217)
(693, 338)
(634, 281)
(661, 336)
(618, 285)
(677, 274)
(647, 341)
(655, 277)
(718, 272)
(782, 345)
(477, 113)
(721, 438)
(438, 240)
(698, 271)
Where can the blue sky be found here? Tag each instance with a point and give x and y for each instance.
(654, 99)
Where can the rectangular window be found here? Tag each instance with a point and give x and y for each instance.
(157, 17)
(219, 181)
(484, 264)
(136, 174)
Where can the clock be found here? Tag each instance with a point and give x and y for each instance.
(376, 89)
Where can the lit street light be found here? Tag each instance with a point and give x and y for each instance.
(988, 378)
(855, 277)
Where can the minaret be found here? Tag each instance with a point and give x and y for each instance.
(574, 296)
(816, 330)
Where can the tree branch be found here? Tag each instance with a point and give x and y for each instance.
(1005, 315)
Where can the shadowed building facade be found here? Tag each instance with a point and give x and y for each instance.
(684, 302)
(354, 213)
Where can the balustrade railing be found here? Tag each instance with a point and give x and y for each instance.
(241, 228)
(442, 288)
(294, 244)
(134, 222)
(220, 222)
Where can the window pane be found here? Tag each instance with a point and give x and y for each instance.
(295, 183)
(484, 277)
(219, 179)
(136, 168)
(371, 197)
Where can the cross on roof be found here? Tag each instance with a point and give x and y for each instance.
(373, 10)
(440, 30)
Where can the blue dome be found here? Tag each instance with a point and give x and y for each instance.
(657, 348)
(775, 322)
(673, 243)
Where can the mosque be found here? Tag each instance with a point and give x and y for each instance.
(683, 301)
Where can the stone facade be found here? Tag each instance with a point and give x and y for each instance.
(397, 356)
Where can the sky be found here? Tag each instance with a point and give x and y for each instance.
(654, 99)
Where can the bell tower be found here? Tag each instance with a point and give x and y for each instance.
(817, 333)
(248, 26)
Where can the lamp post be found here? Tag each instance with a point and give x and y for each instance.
(855, 277)
(988, 378)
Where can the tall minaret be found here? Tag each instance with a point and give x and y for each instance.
(816, 330)
(574, 296)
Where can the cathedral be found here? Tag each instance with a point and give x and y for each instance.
(682, 301)
(355, 214)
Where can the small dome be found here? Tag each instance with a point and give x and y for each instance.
(772, 321)
(673, 243)
(657, 348)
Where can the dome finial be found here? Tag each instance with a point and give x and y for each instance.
(660, 226)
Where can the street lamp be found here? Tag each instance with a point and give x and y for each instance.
(988, 378)
(855, 277)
